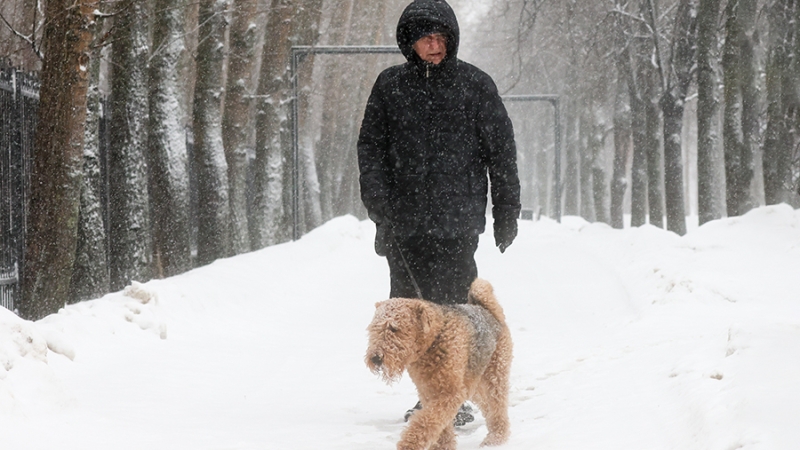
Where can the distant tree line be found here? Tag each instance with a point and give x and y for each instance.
(644, 85)
(649, 83)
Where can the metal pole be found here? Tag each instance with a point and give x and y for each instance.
(295, 149)
(558, 159)
(344, 50)
(297, 51)
(554, 100)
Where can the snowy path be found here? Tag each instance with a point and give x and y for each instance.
(633, 339)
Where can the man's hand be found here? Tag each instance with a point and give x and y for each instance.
(505, 230)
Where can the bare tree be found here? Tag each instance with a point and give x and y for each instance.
(57, 167)
(307, 33)
(600, 189)
(572, 190)
(365, 27)
(130, 255)
(740, 121)
(678, 78)
(236, 123)
(21, 24)
(270, 215)
(709, 178)
(622, 149)
(628, 47)
(782, 101)
(167, 155)
(90, 277)
(208, 158)
(290, 23)
(586, 154)
(331, 159)
(651, 75)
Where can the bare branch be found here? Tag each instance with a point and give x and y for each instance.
(28, 39)
(657, 60)
(628, 15)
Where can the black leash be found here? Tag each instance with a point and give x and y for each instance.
(408, 267)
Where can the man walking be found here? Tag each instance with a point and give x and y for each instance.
(433, 129)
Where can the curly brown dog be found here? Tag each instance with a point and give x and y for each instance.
(453, 353)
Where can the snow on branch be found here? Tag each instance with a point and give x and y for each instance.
(29, 38)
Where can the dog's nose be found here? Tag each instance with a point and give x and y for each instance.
(376, 360)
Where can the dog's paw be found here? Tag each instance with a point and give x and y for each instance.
(494, 439)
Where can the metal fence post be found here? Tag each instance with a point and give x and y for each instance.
(8, 277)
(20, 98)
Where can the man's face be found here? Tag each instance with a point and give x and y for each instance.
(431, 48)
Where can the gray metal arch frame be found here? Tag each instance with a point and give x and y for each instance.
(302, 50)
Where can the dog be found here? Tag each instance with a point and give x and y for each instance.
(453, 353)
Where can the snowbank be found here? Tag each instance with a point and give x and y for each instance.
(624, 339)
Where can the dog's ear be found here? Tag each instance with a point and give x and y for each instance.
(425, 318)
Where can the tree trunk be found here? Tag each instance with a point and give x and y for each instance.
(307, 33)
(650, 70)
(542, 174)
(269, 214)
(629, 68)
(167, 154)
(673, 108)
(586, 161)
(737, 64)
(622, 150)
(672, 105)
(236, 123)
(57, 167)
(572, 161)
(571, 184)
(751, 124)
(360, 31)
(778, 146)
(709, 179)
(329, 154)
(655, 161)
(208, 159)
(596, 146)
(90, 273)
(639, 165)
(129, 235)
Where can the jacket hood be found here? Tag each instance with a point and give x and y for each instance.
(424, 15)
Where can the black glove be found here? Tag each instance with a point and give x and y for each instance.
(383, 228)
(505, 230)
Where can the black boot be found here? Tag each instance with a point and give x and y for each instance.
(411, 411)
(463, 416)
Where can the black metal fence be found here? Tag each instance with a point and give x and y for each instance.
(19, 99)
(19, 102)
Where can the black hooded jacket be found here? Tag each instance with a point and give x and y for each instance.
(429, 136)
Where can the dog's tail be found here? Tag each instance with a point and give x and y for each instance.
(481, 293)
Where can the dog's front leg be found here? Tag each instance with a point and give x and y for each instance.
(432, 424)
(447, 440)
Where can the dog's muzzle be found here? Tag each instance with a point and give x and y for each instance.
(376, 360)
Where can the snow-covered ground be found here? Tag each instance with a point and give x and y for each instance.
(624, 339)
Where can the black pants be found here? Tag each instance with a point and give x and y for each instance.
(443, 268)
